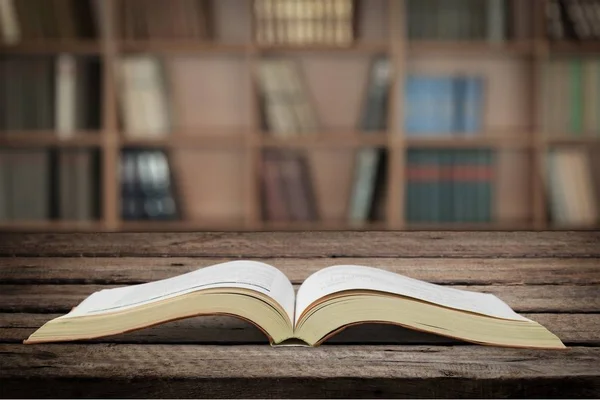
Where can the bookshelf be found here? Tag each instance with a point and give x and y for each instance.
(383, 31)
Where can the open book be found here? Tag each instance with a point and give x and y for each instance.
(327, 302)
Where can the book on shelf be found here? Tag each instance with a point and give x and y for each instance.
(571, 90)
(47, 19)
(24, 185)
(50, 93)
(449, 185)
(576, 20)
(570, 182)
(287, 112)
(465, 20)
(368, 160)
(328, 301)
(167, 20)
(303, 22)
(76, 183)
(144, 97)
(147, 190)
(42, 184)
(443, 105)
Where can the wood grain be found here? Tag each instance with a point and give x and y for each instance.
(306, 244)
(260, 371)
(468, 271)
(539, 298)
(573, 329)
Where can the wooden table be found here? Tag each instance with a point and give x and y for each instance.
(551, 277)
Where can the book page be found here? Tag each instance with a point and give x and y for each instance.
(352, 277)
(251, 275)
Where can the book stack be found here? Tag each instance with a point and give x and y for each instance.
(46, 19)
(147, 191)
(367, 197)
(286, 179)
(571, 97)
(173, 19)
(573, 19)
(449, 185)
(573, 201)
(301, 22)
(443, 105)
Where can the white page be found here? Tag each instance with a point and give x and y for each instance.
(348, 277)
(251, 275)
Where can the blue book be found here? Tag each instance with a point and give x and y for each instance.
(416, 91)
(473, 105)
(443, 111)
(458, 98)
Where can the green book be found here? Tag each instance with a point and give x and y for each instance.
(446, 198)
(412, 186)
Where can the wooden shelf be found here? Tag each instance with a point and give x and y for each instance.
(357, 47)
(324, 140)
(495, 141)
(461, 226)
(572, 140)
(470, 47)
(171, 47)
(83, 47)
(51, 225)
(575, 47)
(183, 140)
(50, 139)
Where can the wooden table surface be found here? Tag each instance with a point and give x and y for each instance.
(551, 277)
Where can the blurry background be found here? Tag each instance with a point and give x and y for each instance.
(135, 115)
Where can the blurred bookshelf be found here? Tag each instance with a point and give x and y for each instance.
(145, 115)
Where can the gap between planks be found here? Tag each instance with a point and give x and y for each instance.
(472, 271)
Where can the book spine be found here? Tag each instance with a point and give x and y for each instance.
(590, 97)
(473, 100)
(576, 95)
(4, 185)
(274, 196)
(484, 185)
(365, 175)
(496, 20)
(411, 185)
(9, 23)
(65, 104)
(446, 194)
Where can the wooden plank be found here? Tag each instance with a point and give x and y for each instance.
(540, 298)
(261, 371)
(469, 271)
(306, 244)
(573, 329)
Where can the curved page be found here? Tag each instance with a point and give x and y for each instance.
(251, 275)
(341, 278)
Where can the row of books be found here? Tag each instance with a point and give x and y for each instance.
(45, 184)
(443, 105)
(304, 21)
(572, 97)
(573, 19)
(47, 19)
(573, 177)
(50, 93)
(173, 19)
(449, 185)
